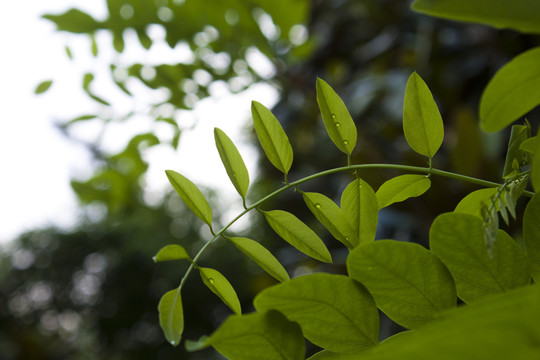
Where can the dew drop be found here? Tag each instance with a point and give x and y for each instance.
(346, 238)
(318, 206)
(338, 124)
(211, 281)
(345, 142)
(334, 116)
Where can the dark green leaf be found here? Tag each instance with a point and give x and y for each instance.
(408, 283)
(232, 160)
(530, 144)
(171, 316)
(191, 196)
(261, 256)
(328, 355)
(334, 312)
(401, 188)
(422, 122)
(298, 234)
(458, 240)
(43, 86)
(273, 139)
(171, 252)
(332, 217)
(74, 21)
(220, 286)
(359, 205)
(535, 171)
(531, 234)
(512, 92)
(519, 134)
(339, 123)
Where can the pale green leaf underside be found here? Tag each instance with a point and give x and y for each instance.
(220, 286)
(359, 205)
(531, 234)
(171, 252)
(297, 234)
(512, 92)
(191, 196)
(402, 187)
(262, 257)
(334, 312)
(171, 316)
(332, 217)
(233, 162)
(337, 119)
(408, 283)
(266, 336)
(521, 15)
(273, 139)
(458, 240)
(422, 122)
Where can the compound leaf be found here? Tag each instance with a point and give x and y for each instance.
(401, 188)
(171, 252)
(220, 286)
(359, 205)
(171, 316)
(233, 162)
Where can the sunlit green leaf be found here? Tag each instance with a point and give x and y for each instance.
(43, 86)
(359, 205)
(422, 122)
(334, 312)
(531, 234)
(171, 316)
(400, 188)
(474, 202)
(521, 15)
(171, 252)
(458, 240)
(337, 119)
(233, 162)
(512, 92)
(261, 256)
(332, 217)
(298, 234)
(220, 286)
(266, 336)
(273, 139)
(191, 196)
(408, 283)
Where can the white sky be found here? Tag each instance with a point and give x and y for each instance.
(38, 162)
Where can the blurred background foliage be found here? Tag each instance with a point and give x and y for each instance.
(92, 293)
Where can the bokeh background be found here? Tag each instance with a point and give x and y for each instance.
(101, 97)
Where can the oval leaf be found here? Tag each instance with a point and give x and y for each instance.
(476, 202)
(422, 122)
(359, 205)
(232, 160)
(531, 234)
(512, 92)
(295, 232)
(171, 316)
(266, 336)
(408, 283)
(273, 139)
(332, 217)
(530, 144)
(334, 312)
(337, 119)
(191, 196)
(401, 188)
(221, 287)
(458, 240)
(171, 252)
(42, 87)
(261, 256)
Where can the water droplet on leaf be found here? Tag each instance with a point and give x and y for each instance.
(318, 206)
(338, 124)
(334, 116)
(211, 281)
(345, 142)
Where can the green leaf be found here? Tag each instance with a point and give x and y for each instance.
(171, 252)
(422, 122)
(220, 286)
(359, 205)
(298, 234)
(535, 171)
(531, 234)
(521, 15)
(191, 196)
(458, 240)
(74, 21)
(512, 92)
(266, 336)
(232, 160)
(332, 217)
(171, 316)
(519, 134)
(42, 87)
(530, 144)
(408, 283)
(329, 355)
(401, 188)
(261, 256)
(334, 312)
(475, 202)
(339, 123)
(273, 139)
